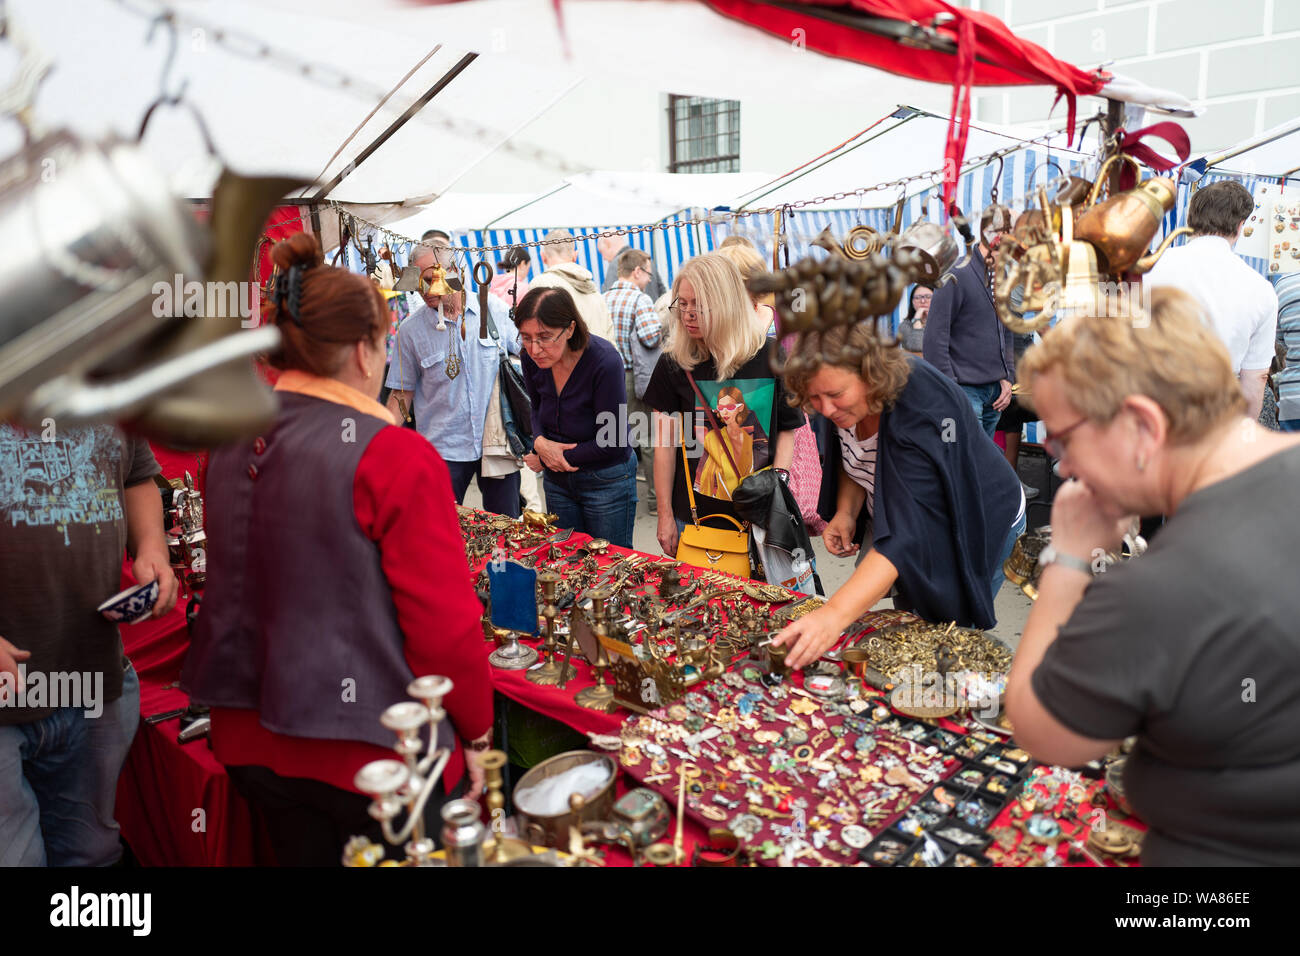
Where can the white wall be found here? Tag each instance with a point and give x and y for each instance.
(604, 125)
(1238, 58)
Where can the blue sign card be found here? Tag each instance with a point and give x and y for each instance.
(514, 596)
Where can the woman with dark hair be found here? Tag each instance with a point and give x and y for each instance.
(577, 387)
(945, 506)
(911, 331)
(320, 608)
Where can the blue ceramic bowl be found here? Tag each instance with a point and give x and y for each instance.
(131, 605)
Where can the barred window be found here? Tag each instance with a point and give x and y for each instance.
(703, 135)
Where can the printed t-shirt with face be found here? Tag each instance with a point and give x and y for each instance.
(750, 407)
(62, 539)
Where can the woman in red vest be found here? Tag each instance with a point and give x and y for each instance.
(335, 575)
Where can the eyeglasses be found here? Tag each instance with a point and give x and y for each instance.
(1053, 442)
(679, 311)
(541, 341)
(728, 406)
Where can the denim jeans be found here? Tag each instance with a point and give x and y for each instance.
(982, 398)
(1289, 424)
(58, 783)
(1008, 546)
(600, 502)
(500, 495)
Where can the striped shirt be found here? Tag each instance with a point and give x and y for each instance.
(1288, 330)
(859, 460)
(630, 308)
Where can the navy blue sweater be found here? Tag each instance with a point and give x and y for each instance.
(964, 338)
(945, 501)
(587, 411)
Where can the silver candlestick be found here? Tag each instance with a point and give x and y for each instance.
(406, 784)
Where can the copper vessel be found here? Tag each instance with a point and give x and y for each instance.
(1121, 228)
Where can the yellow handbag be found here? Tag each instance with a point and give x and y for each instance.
(714, 549)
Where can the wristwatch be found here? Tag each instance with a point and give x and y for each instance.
(1050, 555)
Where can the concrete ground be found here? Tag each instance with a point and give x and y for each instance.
(1012, 605)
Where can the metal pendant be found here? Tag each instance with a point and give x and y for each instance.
(453, 366)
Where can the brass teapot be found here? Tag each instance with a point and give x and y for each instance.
(1121, 227)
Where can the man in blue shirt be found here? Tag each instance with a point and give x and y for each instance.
(450, 373)
(965, 339)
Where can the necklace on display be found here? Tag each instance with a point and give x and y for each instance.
(453, 358)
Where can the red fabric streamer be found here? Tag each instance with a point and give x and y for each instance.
(959, 119)
(1131, 145)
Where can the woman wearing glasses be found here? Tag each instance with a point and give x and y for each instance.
(576, 384)
(911, 331)
(1193, 647)
(945, 507)
(715, 355)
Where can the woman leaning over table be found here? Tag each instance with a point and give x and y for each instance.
(945, 506)
(320, 605)
(1192, 647)
(579, 394)
(713, 338)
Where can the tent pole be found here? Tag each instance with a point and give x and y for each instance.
(397, 124)
(1250, 144)
(1111, 124)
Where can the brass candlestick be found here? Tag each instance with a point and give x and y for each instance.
(499, 848)
(553, 671)
(600, 697)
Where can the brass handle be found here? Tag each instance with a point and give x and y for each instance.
(1143, 265)
(1101, 175)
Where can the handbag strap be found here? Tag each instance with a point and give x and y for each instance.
(690, 485)
(714, 422)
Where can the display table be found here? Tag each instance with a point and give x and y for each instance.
(176, 805)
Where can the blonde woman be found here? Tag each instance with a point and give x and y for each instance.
(1193, 647)
(713, 346)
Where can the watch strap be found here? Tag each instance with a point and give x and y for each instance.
(1051, 556)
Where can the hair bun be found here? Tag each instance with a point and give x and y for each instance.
(300, 249)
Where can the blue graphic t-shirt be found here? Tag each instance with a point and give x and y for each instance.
(63, 535)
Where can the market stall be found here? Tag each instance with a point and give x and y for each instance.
(820, 767)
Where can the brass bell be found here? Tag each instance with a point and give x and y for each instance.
(436, 284)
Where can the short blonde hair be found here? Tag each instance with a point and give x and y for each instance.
(750, 264)
(736, 240)
(726, 317)
(559, 251)
(1170, 355)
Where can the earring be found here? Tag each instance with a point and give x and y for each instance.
(1142, 463)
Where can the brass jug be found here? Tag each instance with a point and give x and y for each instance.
(1122, 227)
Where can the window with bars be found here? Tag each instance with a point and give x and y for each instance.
(703, 135)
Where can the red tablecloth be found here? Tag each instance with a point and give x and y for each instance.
(175, 804)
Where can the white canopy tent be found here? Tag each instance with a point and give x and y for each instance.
(898, 147)
(1274, 153)
(263, 114)
(595, 198)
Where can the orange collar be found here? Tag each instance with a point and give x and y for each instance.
(331, 390)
